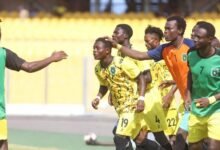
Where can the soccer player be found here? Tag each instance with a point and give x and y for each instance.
(10, 60)
(174, 53)
(154, 115)
(120, 76)
(204, 89)
(160, 74)
(215, 41)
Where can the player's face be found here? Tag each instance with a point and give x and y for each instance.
(171, 31)
(201, 39)
(193, 32)
(151, 41)
(119, 35)
(99, 50)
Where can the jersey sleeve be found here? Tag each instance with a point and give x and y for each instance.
(143, 65)
(130, 68)
(98, 75)
(189, 42)
(13, 61)
(156, 54)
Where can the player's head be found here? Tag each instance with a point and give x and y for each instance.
(122, 32)
(175, 26)
(195, 28)
(152, 37)
(204, 35)
(215, 41)
(101, 48)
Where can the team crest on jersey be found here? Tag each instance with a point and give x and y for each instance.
(184, 57)
(112, 70)
(215, 72)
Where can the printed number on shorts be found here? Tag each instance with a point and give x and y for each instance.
(157, 120)
(124, 122)
(171, 122)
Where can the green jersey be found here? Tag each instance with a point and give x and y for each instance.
(13, 62)
(205, 80)
(2, 77)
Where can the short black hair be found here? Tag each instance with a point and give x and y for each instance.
(107, 43)
(181, 23)
(200, 22)
(127, 28)
(210, 29)
(151, 29)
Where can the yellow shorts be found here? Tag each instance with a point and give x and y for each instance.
(3, 129)
(154, 113)
(203, 127)
(130, 124)
(173, 117)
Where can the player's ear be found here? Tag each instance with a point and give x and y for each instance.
(107, 51)
(180, 31)
(126, 36)
(210, 38)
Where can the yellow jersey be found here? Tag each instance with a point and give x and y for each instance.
(120, 78)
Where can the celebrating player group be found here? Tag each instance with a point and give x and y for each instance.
(142, 86)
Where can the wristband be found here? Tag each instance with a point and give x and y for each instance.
(141, 98)
(212, 99)
(118, 46)
(98, 97)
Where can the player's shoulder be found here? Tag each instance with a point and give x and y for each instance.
(217, 51)
(190, 43)
(98, 67)
(191, 50)
(119, 60)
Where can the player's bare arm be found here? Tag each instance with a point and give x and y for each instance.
(38, 65)
(187, 101)
(141, 88)
(206, 101)
(167, 99)
(128, 51)
(102, 91)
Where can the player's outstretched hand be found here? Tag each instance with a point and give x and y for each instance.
(95, 103)
(59, 55)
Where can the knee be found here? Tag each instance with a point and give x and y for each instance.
(141, 137)
(122, 142)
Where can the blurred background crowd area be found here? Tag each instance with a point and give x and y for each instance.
(35, 28)
(32, 8)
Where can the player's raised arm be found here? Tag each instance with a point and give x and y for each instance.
(129, 51)
(38, 65)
